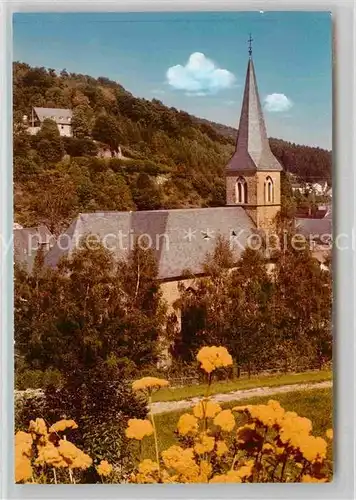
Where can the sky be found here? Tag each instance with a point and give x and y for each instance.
(197, 61)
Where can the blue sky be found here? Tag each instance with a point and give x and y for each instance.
(197, 61)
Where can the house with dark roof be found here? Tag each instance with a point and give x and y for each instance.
(62, 117)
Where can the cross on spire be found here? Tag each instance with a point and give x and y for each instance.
(250, 40)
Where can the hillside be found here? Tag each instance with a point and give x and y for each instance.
(176, 160)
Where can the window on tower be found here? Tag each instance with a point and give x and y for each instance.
(241, 190)
(269, 190)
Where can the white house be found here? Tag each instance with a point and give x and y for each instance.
(62, 117)
(318, 188)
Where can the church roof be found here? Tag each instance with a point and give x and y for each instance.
(180, 238)
(252, 152)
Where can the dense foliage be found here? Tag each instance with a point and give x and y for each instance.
(182, 158)
(268, 318)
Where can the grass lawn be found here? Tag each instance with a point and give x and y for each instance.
(178, 393)
(315, 404)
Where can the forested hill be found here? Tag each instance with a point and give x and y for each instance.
(176, 160)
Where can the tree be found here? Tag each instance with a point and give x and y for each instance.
(49, 143)
(81, 122)
(21, 141)
(53, 200)
(146, 194)
(302, 303)
(89, 312)
(106, 130)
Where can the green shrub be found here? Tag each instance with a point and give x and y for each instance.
(99, 402)
(37, 379)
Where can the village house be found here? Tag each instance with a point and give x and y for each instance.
(62, 117)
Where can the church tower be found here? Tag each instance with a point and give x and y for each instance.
(253, 172)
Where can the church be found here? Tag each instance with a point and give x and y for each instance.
(181, 238)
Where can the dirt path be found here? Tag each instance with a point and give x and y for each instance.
(167, 406)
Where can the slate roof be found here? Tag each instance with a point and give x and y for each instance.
(317, 228)
(59, 115)
(252, 152)
(180, 238)
(26, 243)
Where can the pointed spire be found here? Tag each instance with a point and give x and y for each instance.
(252, 150)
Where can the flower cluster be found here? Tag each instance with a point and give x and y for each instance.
(213, 357)
(23, 454)
(138, 429)
(250, 443)
(293, 432)
(104, 468)
(206, 409)
(42, 447)
(187, 424)
(269, 444)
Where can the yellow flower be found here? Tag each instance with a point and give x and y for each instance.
(38, 427)
(49, 454)
(187, 424)
(312, 448)
(104, 468)
(166, 478)
(148, 466)
(149, 383)
(204, 444)
(225, 420)
(23, 443)
(330, 434)
(23, 469)
(309, 479)
(205, 471)
(138, 429)
(147, 472)
(207, 409)
(221, 448)
(181, 461)
(62, 425)
(213, 357)
(246, 470)
(73, 456)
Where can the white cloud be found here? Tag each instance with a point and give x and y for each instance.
(277, 103)
(200, 76)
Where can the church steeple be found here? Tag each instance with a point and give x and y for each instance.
(252, 151)
(253, 172)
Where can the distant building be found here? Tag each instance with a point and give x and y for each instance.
(62, 117)
(317, 188)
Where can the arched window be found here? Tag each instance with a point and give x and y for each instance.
(241, 190)
(269, 190)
